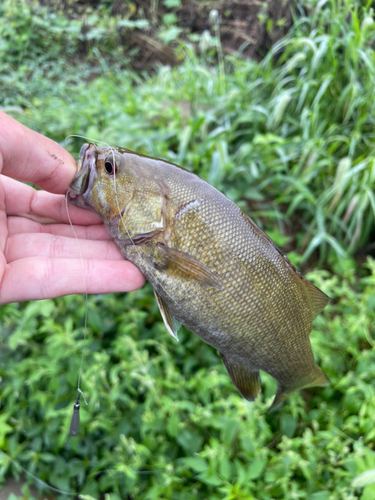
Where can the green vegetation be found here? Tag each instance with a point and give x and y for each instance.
(291, 139)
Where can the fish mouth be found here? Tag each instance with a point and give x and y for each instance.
(81, 185)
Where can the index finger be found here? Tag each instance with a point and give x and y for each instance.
(28, 156)
(22, 200)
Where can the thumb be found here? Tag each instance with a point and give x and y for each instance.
(28, 156)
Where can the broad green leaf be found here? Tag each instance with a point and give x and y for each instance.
(198, 464)
(367, 477)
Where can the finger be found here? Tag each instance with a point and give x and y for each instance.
(40, 206)
(21, 246)
(36, 278)
(29, 156)
(17, 225)
(3, 221)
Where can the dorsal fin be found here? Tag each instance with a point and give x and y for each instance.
(170, 322)
(317, 299)
(245, 378)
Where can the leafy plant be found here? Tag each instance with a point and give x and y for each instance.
(164, 417)
(291, 140)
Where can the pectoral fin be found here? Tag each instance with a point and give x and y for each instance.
(170, 322)
(245, 378)
(184, 265)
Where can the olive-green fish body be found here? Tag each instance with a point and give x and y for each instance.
(211, 267)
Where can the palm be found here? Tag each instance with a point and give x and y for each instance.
(39, 255)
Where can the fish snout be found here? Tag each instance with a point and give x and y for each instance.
(86, 172)
(83, 181)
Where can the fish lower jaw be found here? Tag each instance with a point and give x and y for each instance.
(79, 201)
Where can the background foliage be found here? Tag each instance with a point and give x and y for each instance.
(291, 139)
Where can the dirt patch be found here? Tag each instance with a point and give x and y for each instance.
(150, 32)
(250, 27)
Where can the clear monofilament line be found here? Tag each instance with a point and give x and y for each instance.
(71, 225)
(88, 138)
(118, 207)
(123, 222)
(37, 480)
(83, 351)
(117, 202)
(86, 301)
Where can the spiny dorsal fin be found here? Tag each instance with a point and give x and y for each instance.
(245, 378)
(317, 299)
(170, 322)
(317, 378)
(185, 265)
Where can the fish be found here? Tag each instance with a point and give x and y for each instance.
(211, 267)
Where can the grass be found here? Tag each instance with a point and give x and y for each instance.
(295, 131)
(291, 140)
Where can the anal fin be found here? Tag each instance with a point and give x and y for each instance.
(170, 322)
(245, 378)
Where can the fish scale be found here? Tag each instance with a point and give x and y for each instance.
(211, 267)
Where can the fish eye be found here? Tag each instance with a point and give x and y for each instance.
(110, 165)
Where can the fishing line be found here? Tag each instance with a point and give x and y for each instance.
(74, 424)
(89, 139)
(140, 472)
(67, 493)
(40, 481)
(126, 229)
(117, 202)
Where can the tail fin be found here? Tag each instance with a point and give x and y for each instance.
(319, 378)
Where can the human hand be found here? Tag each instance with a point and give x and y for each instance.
(39, 255)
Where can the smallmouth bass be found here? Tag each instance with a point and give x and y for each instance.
(211, 267)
